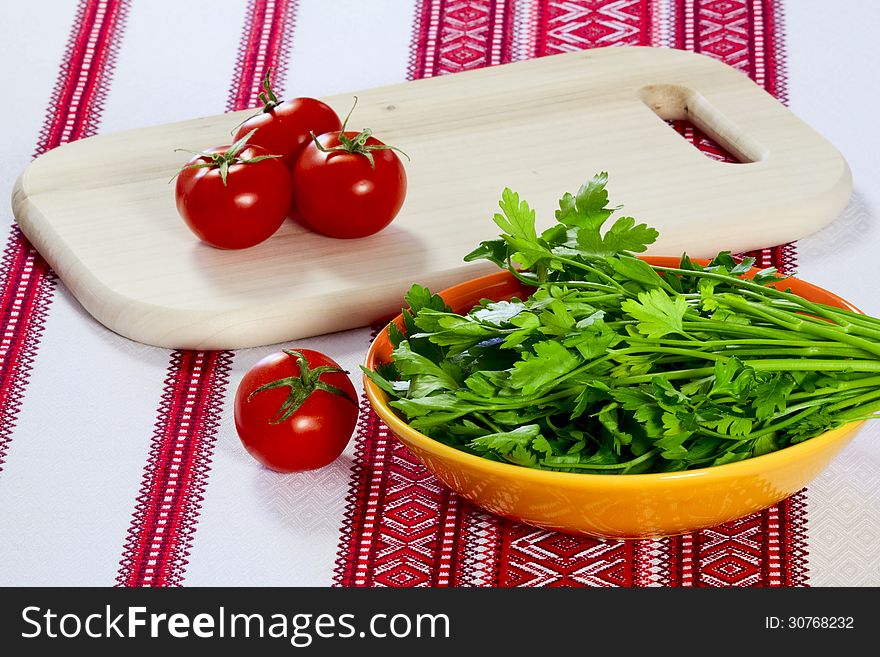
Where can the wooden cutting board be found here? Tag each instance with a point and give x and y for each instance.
(102, 213)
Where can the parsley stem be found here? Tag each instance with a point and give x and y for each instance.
(764, 290)
(765, 364)
(794, 419)
(864, 382)
(824, 312)
(523, 402)
(602, 297)
(761, 365)
(716, 434)
(587, 366)
(784, 319)
(709, 326)
(494, 427)
(832, 335)
(759, 310)
(768, 346)
(521, 276)
(794, 365)
(859, 413)
(721, 343)
(833, 314)
(601, 274)
(627, 465)
(653, 349)
(853, 324)
(804, 352)
(848, 321)
(734, 446)
(856, 318)
(672, 376)
(763, 342)
(817, 401)
(582, 284)
(852, 328)
(864, 397)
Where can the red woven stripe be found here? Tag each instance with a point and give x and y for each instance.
(74, 111)
(534, 557)
(265, 43)
(19, 297)
(567, 25)
(537, 557)
(402, 527)
(79, 94)
(768, 548)
(167, 509)
(482, 545)
(356, 552)
(398, 526)
(27, 294)
(460, 35)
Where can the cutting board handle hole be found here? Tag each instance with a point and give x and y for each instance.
(701, 124)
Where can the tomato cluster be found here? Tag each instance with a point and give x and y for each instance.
(295, 409)
(292, 159)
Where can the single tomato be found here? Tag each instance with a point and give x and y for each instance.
(233, 197)
(295, 410)
(285, 127)
(348, 186)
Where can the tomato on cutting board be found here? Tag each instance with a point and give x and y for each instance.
(295, 410)
(234, 197)
(348, 184)
(286, 127)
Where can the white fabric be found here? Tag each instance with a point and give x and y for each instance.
(345, 45)
(176, 62)
(834, 87)
(259, 527)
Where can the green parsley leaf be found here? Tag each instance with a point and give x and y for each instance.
(517, 218)
(593, 340)
(657, 313)
(549, 361)
(725, 371)
(498, 312)
(588, 208)
(427, 376)
(635, 269)
(771, 395)
(419, 298)
(626, 235)
(493, 250)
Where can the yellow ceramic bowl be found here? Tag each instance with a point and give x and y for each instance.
(611, 506)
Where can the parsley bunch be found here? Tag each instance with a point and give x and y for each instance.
(612, 365)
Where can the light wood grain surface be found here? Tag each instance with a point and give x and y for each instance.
(102, 213)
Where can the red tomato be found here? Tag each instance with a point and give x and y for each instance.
(339, 193)
(284, 128)
(295, 410)
(242, 211)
